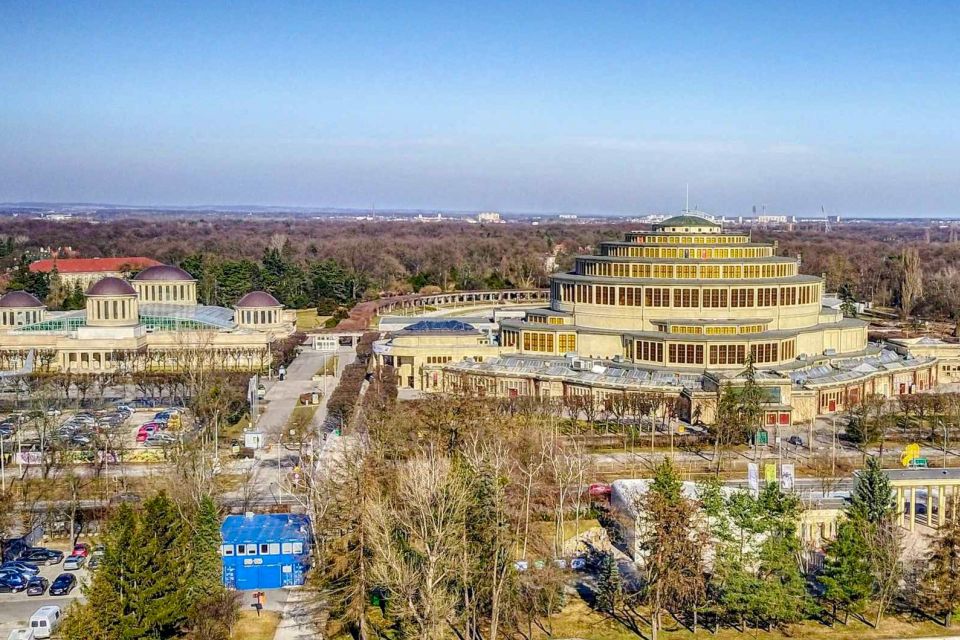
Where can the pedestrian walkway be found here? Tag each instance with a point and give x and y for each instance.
(296, 617)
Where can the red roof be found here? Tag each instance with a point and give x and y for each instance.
(92, 265)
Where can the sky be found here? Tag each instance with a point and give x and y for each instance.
(586, 107)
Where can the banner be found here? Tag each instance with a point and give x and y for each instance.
(753, 476)
(787, 475)
(770, 472)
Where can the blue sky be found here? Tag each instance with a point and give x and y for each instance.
(585, 107)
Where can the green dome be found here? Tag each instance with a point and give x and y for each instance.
(686, 221)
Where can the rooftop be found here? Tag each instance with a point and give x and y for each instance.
(92, 265)
(265, 526)
(111, 286)
(19, 300)
(165, 272)
(686, 220)
(440, 325)
(257, 299)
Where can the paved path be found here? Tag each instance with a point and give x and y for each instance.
(296, 617)
(266, 476)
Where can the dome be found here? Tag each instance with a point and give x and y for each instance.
(687, 220)
(256, 299)
(19, 300)
(111, 287)
(166, 272)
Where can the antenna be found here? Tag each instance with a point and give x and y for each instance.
(687, 210)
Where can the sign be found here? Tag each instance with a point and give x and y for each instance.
(910, 453)
(770, 473)
(787, 476)
(753, 476)
(762, 438)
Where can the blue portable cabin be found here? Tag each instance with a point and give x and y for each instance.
(265, 551)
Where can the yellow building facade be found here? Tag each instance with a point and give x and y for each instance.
(151, 322)
(680, 310)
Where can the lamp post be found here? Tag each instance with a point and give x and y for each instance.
(833, 458)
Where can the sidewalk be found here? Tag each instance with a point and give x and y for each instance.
(295, 617)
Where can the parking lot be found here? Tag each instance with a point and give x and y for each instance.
(16, 608)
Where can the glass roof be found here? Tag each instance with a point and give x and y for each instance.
(161, 315)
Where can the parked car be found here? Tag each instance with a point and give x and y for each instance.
(63, 584)
(21, 634)
(795, 440)
(159, 440)
(37, 586)
(40, 555)
(45, 621)
(81, 549)
(72, 563)
(26, 568)
(53, 412)
(12, 582)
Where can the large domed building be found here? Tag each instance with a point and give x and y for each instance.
(151, 321)
(681, 310)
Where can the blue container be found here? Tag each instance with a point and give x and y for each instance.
(265, 551)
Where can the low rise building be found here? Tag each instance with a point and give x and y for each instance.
(265, 551)
(86, 271)
(152, 322)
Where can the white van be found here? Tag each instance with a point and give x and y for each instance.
(44, 620)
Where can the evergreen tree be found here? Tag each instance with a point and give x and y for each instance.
(847, 576)
(939, 591)
(872, 498)
(163, 581)
(609, 586)
(673, 547)
(206, 575)
(75, 299)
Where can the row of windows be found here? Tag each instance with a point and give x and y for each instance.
(164, 292)
(438, 359)
(509, 338)
(662, 296)
(568, 342)
(726, 330)
(538, 341)
(679, 353)
(645, 350)
(686, 354)
(545, 319)
(588, 267)
(668, 239)
(264, 549)
(626, 251)
(17, 318)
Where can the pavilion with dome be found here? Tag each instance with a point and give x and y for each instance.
(152, 321)
(682, 310)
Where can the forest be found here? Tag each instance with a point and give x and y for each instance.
(332, 265)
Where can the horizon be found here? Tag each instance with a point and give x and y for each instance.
(603, 110)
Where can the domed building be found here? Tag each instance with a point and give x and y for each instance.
(165, 284)
(681, 310)
(18, 308)
(258, 309)
(152, 321)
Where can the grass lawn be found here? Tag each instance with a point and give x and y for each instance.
(250, 627)
(578, 620)
(302, 415)
(308, 319)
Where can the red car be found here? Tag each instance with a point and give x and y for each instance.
(146, 431)
(81, 549)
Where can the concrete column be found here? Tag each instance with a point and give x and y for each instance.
(900, 506)
(929, 506)
(941, 505)
(913, 508)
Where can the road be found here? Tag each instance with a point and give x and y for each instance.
(265, 478)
